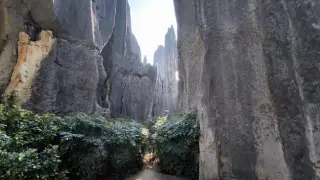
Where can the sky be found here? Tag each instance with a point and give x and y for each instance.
(150, 22)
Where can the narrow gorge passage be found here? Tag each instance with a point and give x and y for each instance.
(83, 62)
(206, 89)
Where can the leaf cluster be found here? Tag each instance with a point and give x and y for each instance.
(28, 146)
(93, 147)
(77, 146)
(176, 141)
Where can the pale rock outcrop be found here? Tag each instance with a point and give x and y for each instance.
(251, 70)
(54, 80)
(30, 56)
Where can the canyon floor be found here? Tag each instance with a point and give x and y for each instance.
(147, 174)
(151, 171)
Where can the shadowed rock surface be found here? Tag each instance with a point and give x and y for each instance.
(251, 69)
(166, 90)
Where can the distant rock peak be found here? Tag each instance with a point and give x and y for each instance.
(166, 91)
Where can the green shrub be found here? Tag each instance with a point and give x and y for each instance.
(126, 145)
(28, 149)
(79, 146)
(94, 147)
(82, 146)
(176, 141)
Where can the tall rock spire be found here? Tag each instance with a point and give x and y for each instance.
(166, 91)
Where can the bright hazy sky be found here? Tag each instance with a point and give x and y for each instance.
(150, 22)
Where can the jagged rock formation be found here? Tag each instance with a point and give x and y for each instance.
(132, 83)
(69, 74)
(166, 91)
(251, 69)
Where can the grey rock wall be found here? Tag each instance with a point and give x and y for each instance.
(68, 79)
(166, 89)
(251, 70)
(90, 20)
(132, 82)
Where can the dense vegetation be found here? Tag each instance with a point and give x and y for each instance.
(79, 146)
(176, 143)
(87, 147)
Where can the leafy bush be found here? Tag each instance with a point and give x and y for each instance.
(28, 149)
(176, 141)
(79, 146)
(126, 146)
(94, 147)
(82, 146)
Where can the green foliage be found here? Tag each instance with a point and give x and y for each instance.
(27, 145)
(126, 145)
(79, 146)
(176, 140)
(82, 146)
(94, 147)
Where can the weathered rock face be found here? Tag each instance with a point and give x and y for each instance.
(30, 56)
(64, 72)
(132, 83)
(88, 20)
(59, 73)
(251, 69)
(166, 91)
(68, 79)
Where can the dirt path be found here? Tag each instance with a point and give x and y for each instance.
(151, 171)
(152, 175)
